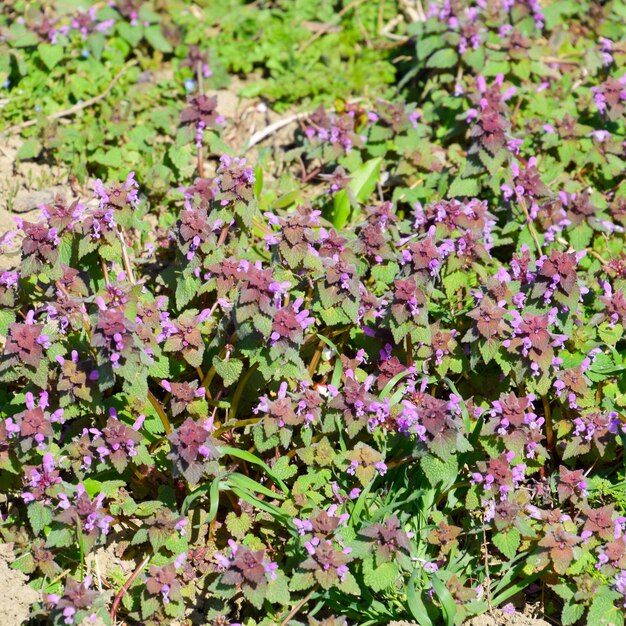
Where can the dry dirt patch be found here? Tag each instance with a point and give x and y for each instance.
(16, 597)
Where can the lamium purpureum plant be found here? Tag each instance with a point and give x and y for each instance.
(375, 376)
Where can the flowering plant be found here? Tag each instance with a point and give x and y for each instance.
(378, 375)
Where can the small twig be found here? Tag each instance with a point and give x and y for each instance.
(264, 133)
(238, 424)
(487, 575)
(557, 61)
(607, 268)
(323, 31)
(77, 107)
(125, 257)
(126, 586)
(409, 351)
(160, 412)
(316, 358)
(223, 235)
(298, 606)
(105, 271)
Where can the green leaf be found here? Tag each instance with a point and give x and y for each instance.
(255, 460)
(416, 604)
(572, 613)
(507, 542)
(439, 472)
(182, 159)
(445, 597)
(603, 611)
(39, 516)
(364, 179)
(213, 488)
(349, 585)
(442, 59)
(149, 605)
(385, 273)
(238, 525)
(131, 34)
(580, 236)
(466, 187)
(610, 334)
(230, 370)
(156, 39)
(111, 158)
(7, 317)
(300, 581)
(30, 149)
(50, 54)
(341, 209)
(277, 590)
(60, 538)
(380, 578)
(488, 349)
(186, 290)
(245, 482)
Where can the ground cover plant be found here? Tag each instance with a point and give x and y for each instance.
(373, 371)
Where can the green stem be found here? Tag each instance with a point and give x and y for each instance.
(237, 424)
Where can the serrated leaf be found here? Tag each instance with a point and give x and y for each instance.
(381, 577)
(60, 538)
(488, 349)
(277, 590)
(230, 370)
(467, 187)
(439, 472)
(149, 605)
(507, 542)
(238, 525)
(572, 613)
(186, 290)
(350, 585)
(39, 516)
(603, 611)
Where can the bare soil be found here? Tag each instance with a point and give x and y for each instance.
(16, 597)
(24, 185)
(498, 617)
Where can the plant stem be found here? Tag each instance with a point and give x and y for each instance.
(126, 586)
(160, 412)
(237, 424)
(409, 351)
(105, 271)
(316, 358)
(125, 257)
(549, 426)
(298, 606)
